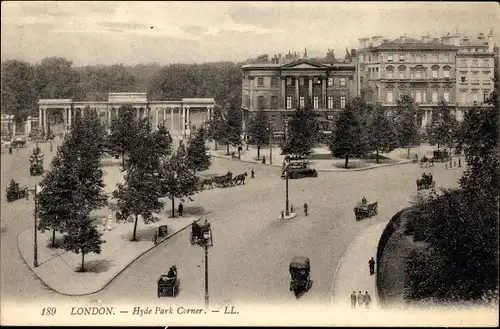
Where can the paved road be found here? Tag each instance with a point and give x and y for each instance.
(249, 262)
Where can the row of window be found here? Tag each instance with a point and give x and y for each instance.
(417, 73)
(435, 58)
(420, 96)
(342, 81)
(261, 102)
(475, 77)
(474, 63)
(473, 96)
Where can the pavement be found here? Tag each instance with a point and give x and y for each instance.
(59, 269)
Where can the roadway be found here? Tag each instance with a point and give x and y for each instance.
(252, 249)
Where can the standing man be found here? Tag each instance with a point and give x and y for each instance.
(353, 299)
(252, 173)
(367, 299)
(180, 209)
(361, 299)
(305, 209)
(371, 264)
(10, 148)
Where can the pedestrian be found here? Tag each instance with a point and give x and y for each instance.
(371, 264)
(282, 214)
(263, 159)
(353, 299)
(252, 173)
(367, 299)
(180, 209)
(305, 209)
(361, 299)
(459, 163)
(51, 146)
(291, 208)
(155, 238)
(10, 149)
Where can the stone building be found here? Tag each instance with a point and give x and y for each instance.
(288, 82)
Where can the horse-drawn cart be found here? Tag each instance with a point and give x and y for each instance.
(168, 285)
(426, 182)
(15, 192)
(366, 211)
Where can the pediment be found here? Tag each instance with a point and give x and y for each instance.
(304, 64)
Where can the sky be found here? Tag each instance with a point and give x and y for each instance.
(90, 33)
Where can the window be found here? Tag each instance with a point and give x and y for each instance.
(418, 74)
(401, 58)
(316, 102)
(475, 96)
(260, 102)
(289, 81)
(434, 58)
(274, 102)
(446, 96)
(418, 96)
(475, 78)
(389, 97)
(289, 102)
(486, 93)
(447, 57)
(342, 102)
(434, 73)
(434, 97)
(342, 82)
(463, 76)
(474, 63)
(389, 58)
(424, 98)
(486, 63)
(301, 101)
(369, 58)
(463, 63)
(330, 102)
(274, 82)
(301, 81)
(401, 72)
(390, 74)
(418, 58)
(446, 73)
(260, 82)
(330, 82)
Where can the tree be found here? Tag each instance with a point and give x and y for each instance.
(234, 125)
(196, 152)
(124, 131)
(302, 132)
(258, 132)
(406, 123)
(176, 179)
(218, 128)
(346, 141)
(381, 135)
(162, 141)
(83, 238)
(56, 78)
(443, 127)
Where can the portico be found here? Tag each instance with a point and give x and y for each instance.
(178, 116)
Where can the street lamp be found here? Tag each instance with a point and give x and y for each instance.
(286, 189)
(206, 242)
(270, 144)
(35, 219)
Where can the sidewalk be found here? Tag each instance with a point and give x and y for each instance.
(58, 269)
(353, 273)
(330, 164)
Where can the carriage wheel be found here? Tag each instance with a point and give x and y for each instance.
(159, 295)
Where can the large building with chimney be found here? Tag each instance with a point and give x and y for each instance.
(452, 68)
(287, 82)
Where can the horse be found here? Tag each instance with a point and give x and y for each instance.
(207, 182)
(240, 179)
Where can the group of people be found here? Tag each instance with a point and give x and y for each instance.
(360, 299)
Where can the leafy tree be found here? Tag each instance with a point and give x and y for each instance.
(218, 128)
(83, 238)
(302, 132)
(234, 125)
(162, 141)
(345, 141)
(176, 179)
(56, 78)
(381, 134)
(443, 127)
(124, 131)
(406, 123)
(258, 130)
(196, 152)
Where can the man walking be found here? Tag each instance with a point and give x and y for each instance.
(10, 149)
(361, 299)
(371, 264)
(252, 173)
(180, 209)
(353, 299)
(367, 299)
(305, 209)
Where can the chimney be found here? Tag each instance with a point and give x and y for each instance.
(456, 39)
(353, 53)
(491, 42)
(376, 40)
(480, 36)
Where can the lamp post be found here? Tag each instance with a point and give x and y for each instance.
(270, 144)
(286, 190)
(206, 241)
(35, 219)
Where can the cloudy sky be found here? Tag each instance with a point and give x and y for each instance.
(187, 32)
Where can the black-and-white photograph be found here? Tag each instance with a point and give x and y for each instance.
(249, 163)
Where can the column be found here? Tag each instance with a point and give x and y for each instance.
(188, 121)
(155, 116)
(81, 112)
(310, 87)
(45, 123)
(182, 119)
(28, 126)
(296, 92)
(65, 120)
(13, 125)
(69, 117)
(40, 115)
(283, 92)
(171, 118)
(324, 81)
(109, 116)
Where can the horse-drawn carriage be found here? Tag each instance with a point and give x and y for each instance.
(18, 142)
(426, 162)
(224, 181)
(36, 162)
(297, 167)
(441, 155)
(300, 267)
(426, 182)
(15, 192)
(168, 285)
(200, 233)
(365, 210)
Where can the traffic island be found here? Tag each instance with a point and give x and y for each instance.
(60, 270)
(289, 216)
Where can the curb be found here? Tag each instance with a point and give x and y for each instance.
(320, 170)
(113, 277)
